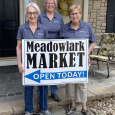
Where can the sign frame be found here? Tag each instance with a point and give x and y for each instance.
(51, 40)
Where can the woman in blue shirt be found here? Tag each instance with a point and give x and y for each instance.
(32, 30)
(77, 29)
(53, 22)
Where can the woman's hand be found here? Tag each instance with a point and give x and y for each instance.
(88, 59)
(21, 69)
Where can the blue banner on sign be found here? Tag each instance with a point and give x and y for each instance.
(37, 76)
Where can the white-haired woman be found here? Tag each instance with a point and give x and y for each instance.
(30, 30)
(53, 22)
(78, 29)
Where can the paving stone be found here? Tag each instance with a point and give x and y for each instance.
(93, 86)
(102, 81)
(90, 79)
(35, 105)
(58, 112)
(11, 94)
(17, 106)
(113, 78)
(62, 89)
(80, 114)
(79, 108)
(51, 103)
(35, 95)
(49, 87)
(19, 81)
(49, 92)
(2, 85)
(9, 69)
(94, 82)
(2, 92)
(1, 100)
(57, 107)
(100, 77)
(5, 108)
(111, 89)
(59, 91)
(112, 83)
(1, 96)
(89, 87)
(11, 90)
(35, 90)
(62, 85)
(15, 76)
(18, 93)
(4, 75)
(107, 84)
(10, 85)
(90, 96)
(11, 98)
(100, 92)
(64, 100)
(22, 89)
(75, 113)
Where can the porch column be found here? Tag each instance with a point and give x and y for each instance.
(85, 13)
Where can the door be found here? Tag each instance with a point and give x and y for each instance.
(111, 16)
(9, 22)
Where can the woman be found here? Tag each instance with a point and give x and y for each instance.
(30, 30)
(53, 23)
(77, 29)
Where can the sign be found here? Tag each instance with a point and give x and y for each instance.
(59, 61)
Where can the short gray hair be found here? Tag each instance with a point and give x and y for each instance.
(55, 1)
(33, 5)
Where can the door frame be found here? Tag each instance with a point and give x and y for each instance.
(107, 18)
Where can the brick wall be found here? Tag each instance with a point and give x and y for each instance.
(97, 15)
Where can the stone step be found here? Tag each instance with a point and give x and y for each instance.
(17, 107)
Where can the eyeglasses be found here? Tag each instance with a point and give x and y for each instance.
(72, 14)
(50, 3)
(30, 13)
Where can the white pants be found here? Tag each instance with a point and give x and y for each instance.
(77, 91)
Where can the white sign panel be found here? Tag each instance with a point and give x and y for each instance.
(49, 62)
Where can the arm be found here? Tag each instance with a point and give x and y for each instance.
(19, 52)
(92, 45)
(19, 48)
(92, 41)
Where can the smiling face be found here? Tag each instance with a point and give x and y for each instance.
(50, 5)
(75, 16)
(32, 14)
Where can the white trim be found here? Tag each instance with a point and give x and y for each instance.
(85, 13)
(21, 10)
(5, 61)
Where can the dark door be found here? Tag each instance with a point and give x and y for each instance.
(111, 16)
(9, 22)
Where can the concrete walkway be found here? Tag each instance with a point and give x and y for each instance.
(12, 91)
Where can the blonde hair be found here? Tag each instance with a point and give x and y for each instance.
(73, 7)
(44, 3)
